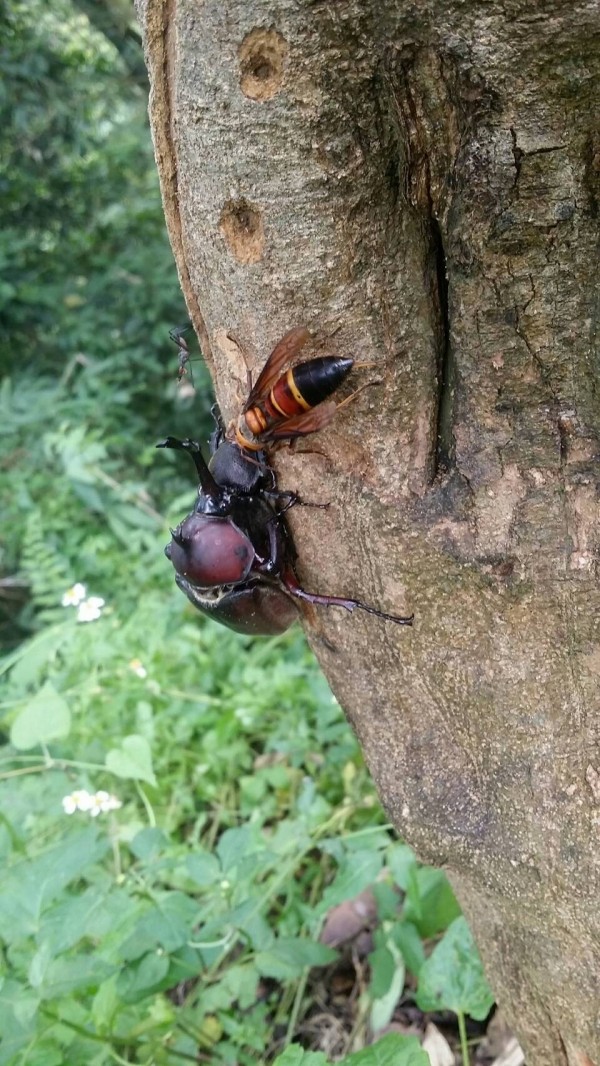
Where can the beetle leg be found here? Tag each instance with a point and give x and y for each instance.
(269, 563)
(290, 582)
(292, 500)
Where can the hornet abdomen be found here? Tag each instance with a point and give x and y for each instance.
(298, 390)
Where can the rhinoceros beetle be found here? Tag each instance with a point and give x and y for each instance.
(233, 555)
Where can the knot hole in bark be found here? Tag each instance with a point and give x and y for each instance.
(242, 227)
(262, 55)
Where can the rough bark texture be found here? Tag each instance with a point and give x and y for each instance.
(418, 184)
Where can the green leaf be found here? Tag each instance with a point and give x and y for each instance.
(401, 861)
(31, 885)
(297, 1056)
(452, 978)
(18, 1014)
(65, 975)
(166, 924)
(138, 978)
(289, 957)
(132, 760)
(406, 936)
(387, 981)
(237, 984)
(31, 657)
(46, 717)
(391, 1050)
(430, 901)
(234, 845)
(359, 870)
(71, 919)
(105, 1004)
(382, 964)
(149, 845)
(203, 868)
(156, 971)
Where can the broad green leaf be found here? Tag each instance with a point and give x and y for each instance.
(65, 975)
(391, 1050)
(71, 919)
(203, 868)
(237, 985)
(166, 924)
(132, 760)
(401, 861)
(32, 884)
(105, 1004)
(452, 978)
(288, 957)
(155, 972)
(297, 1056)
(430, 902)
(149, 844)
(382, 965)
(234, 845)
(46, 717)
(358, 871)
(18, 1013)
(30, 657)
(406, 936)
(387, 981)
(249, 918)
(138, 978)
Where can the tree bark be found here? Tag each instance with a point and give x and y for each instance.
(418, 184)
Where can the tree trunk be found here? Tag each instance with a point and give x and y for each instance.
(418, 184)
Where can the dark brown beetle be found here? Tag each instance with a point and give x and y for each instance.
(233, 555)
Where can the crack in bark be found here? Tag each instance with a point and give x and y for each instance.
(419, 192)
(520, 154)
(444, 438)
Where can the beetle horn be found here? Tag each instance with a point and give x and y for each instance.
(207, 482)
(178, 537)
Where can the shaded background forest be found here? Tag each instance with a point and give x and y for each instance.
(186, 921)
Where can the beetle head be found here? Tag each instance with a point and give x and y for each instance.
(209, 551)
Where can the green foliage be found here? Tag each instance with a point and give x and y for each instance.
(391, 1051)
(180, 806)
(452, 977)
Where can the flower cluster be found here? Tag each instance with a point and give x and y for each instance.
(92, 803)
(89, 608)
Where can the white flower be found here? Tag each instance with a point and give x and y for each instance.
(138, 668)
(74, 595)
(80, 800)
(102, 802)
(98, 803)
(91, 609)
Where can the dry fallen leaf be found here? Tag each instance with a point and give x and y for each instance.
(511, 1056)
(437, 1047)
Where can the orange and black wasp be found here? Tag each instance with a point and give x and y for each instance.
(284, 404)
